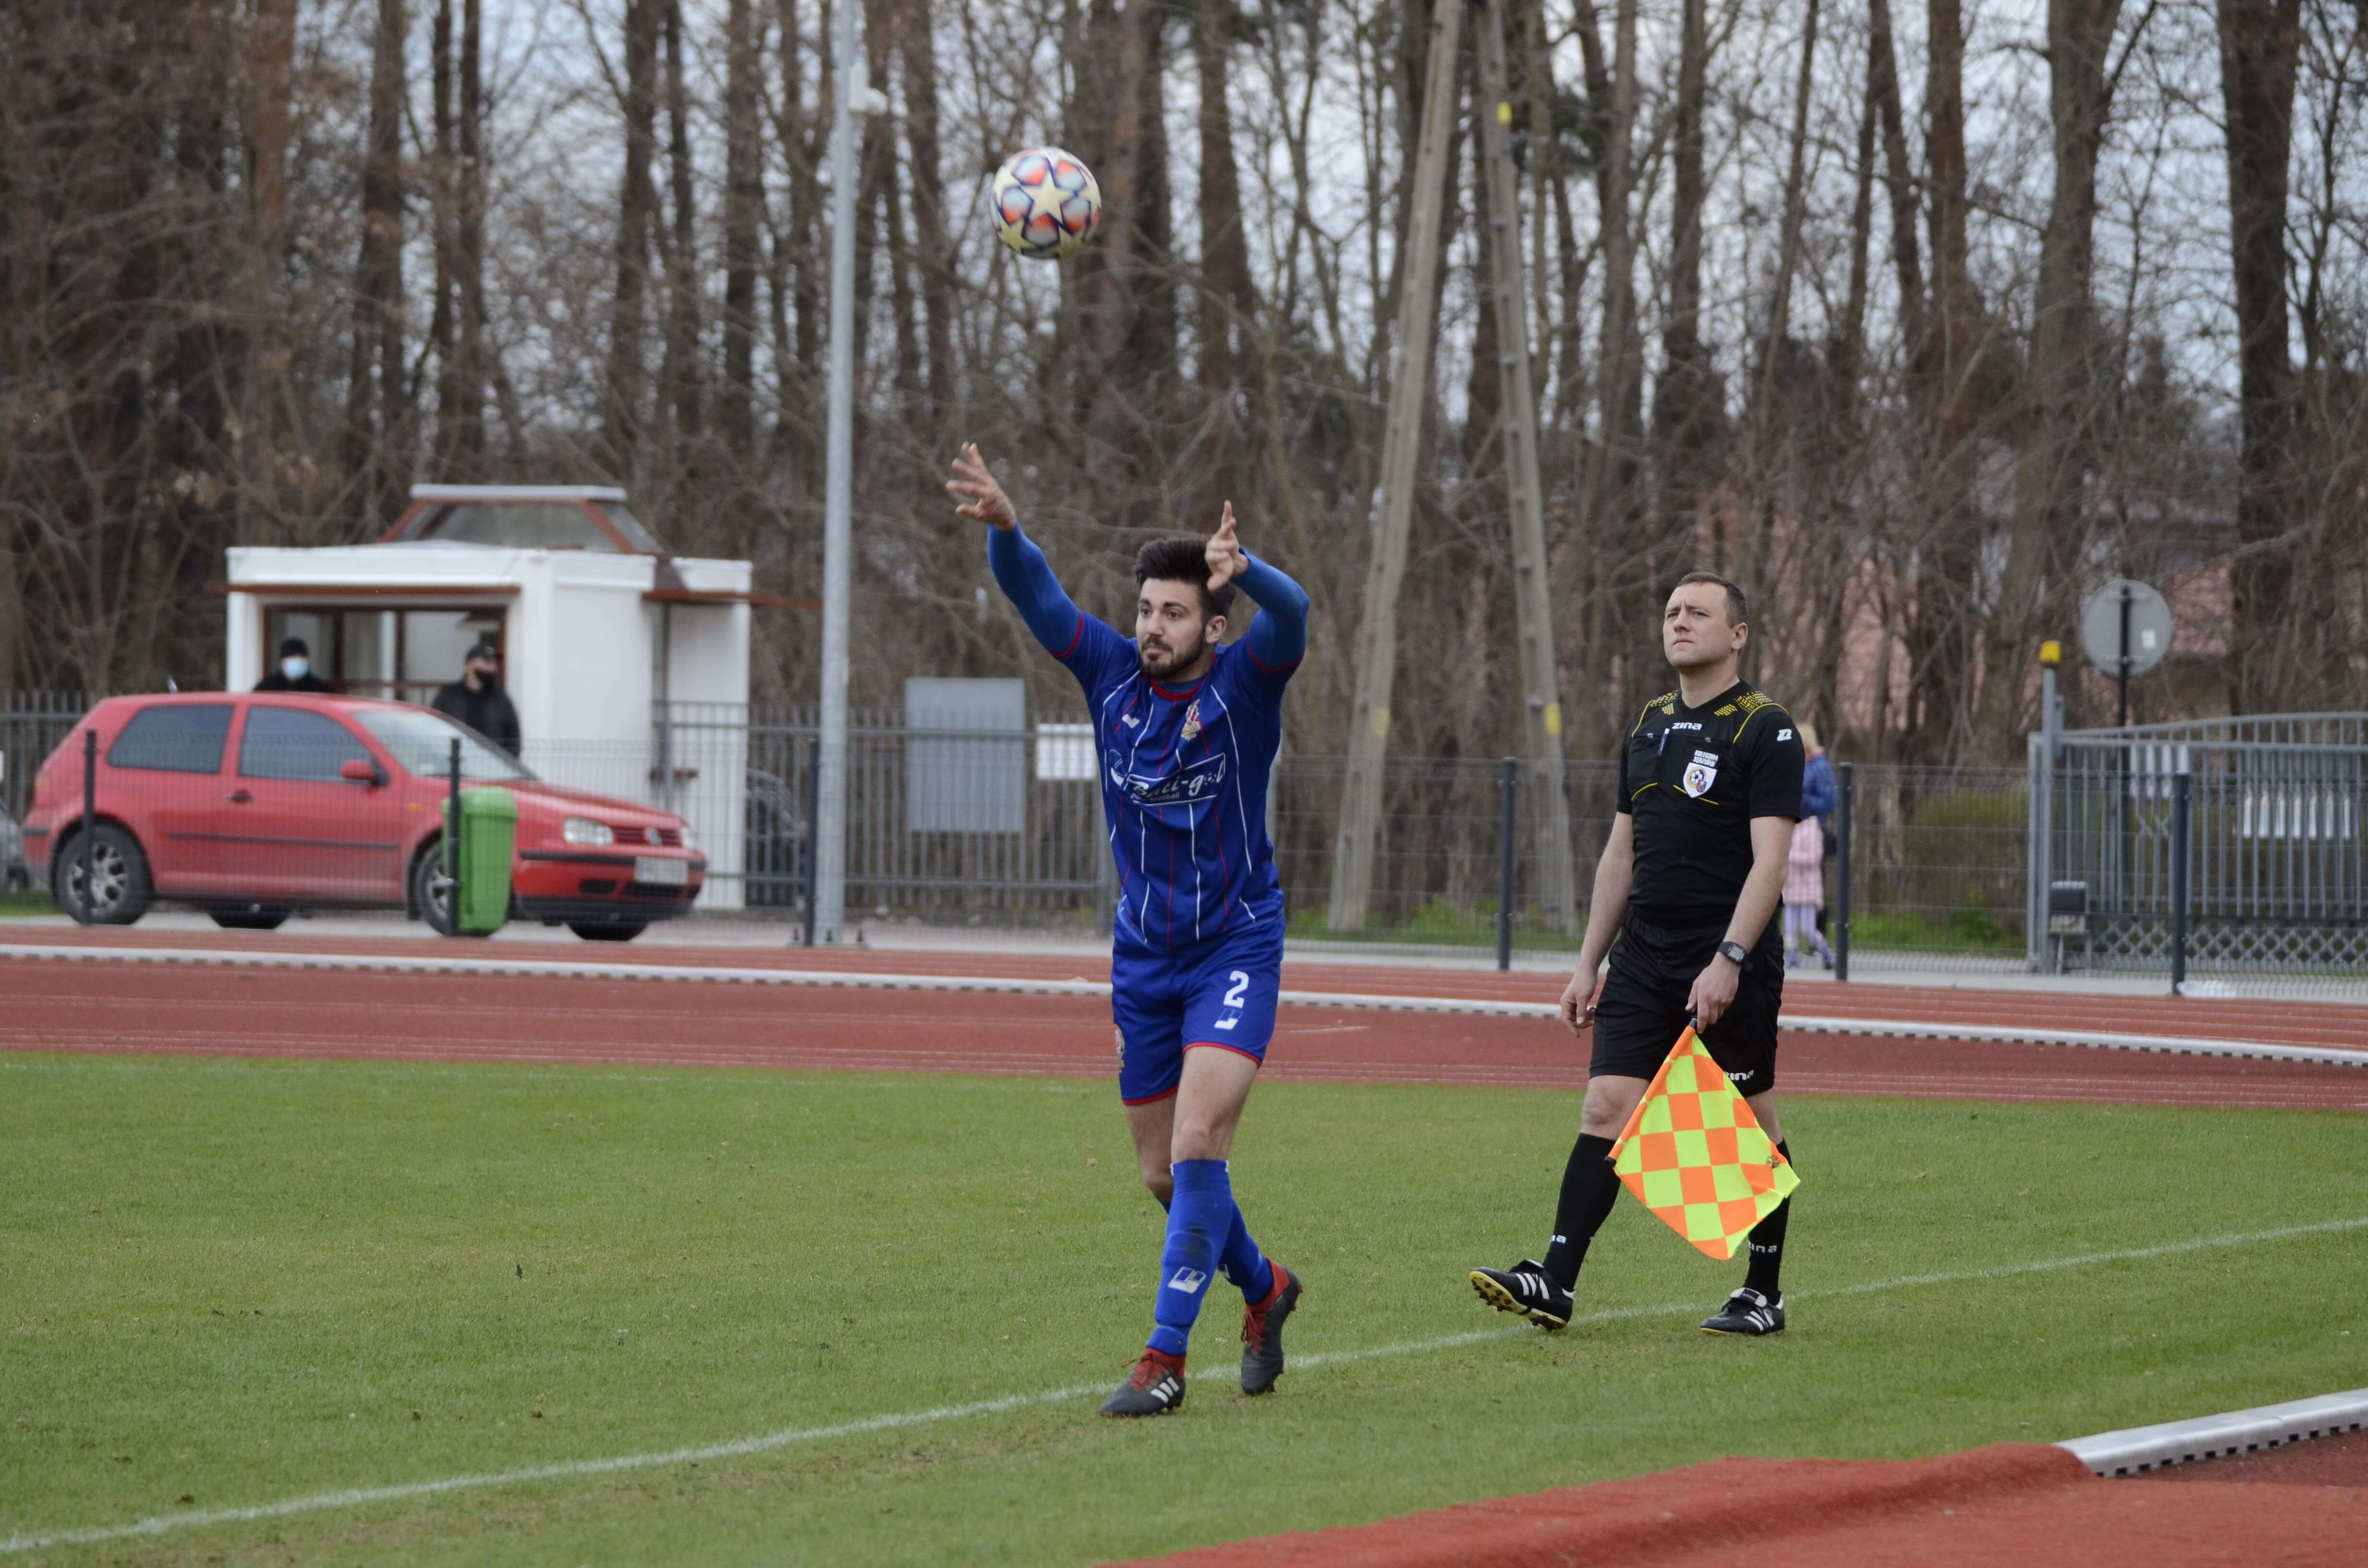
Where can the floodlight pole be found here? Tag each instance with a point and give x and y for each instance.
(830, 846)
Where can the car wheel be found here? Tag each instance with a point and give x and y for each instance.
(119, 891)
(609, 930)
(431, 888)
(249, 917)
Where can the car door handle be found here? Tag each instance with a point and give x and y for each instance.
(238, 796)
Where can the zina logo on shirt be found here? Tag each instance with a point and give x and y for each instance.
(1701, 774)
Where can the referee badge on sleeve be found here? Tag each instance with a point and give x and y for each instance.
(1701, 774)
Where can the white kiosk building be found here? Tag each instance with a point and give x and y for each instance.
(604, 636)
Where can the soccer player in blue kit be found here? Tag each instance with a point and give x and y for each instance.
(1185, 730)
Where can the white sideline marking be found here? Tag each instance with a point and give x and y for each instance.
(557, 969)
(358, 1496)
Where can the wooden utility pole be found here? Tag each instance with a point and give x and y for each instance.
(1518, 408)
(1377, 637)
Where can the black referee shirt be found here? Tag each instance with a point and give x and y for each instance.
(1693, 779)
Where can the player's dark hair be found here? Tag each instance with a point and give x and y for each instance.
(1183, 561)
(1734, 609)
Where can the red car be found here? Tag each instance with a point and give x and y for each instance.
(249, 806)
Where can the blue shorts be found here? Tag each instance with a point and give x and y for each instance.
(1221, 993)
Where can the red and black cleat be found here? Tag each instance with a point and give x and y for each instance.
(1262, 1332)
(1154, 1388)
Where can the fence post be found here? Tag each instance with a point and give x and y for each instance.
(1506, 784)
(1842, 873)
(452, 847)
(88, 915)
(2182, 787)
(814, 831)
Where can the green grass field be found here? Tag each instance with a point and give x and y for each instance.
(226, 1284)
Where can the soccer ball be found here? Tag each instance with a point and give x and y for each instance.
(1045, 202)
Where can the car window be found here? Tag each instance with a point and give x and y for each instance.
(288, 743)
(176, 737)
(422, 741)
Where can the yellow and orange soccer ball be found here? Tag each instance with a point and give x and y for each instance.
(1045, 203)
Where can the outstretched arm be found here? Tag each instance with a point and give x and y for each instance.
(1019, 568)
(1277, 637)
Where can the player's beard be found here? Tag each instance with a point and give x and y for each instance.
(1162, 665)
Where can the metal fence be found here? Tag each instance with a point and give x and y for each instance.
(1937, 868)
(1004, 827)
(31, 725)
(2265, 872)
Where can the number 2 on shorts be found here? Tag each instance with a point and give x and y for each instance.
(1234, 997)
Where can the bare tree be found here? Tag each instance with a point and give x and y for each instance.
(2260, 41)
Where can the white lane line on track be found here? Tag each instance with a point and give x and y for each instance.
(562, 970)
(359, 1497)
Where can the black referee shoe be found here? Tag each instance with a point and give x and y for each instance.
(1526, 1290)
(1747, 1312)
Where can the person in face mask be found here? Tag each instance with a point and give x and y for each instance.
(294, 672)
(478, 700)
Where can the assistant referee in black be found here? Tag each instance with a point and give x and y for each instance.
(1709, 787)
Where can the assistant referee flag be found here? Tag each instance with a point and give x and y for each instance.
(1694, 1154)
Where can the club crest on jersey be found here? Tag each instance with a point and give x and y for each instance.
(1192, 719)
(1701, 774)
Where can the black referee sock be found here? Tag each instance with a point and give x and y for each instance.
(1589, 1186)
(1768, 1244)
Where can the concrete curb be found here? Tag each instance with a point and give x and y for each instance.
(2138, 1449)
(563, 970)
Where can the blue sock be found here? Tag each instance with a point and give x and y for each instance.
(1199, 1217)
(1242, 1263)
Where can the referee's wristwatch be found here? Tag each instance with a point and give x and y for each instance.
(1734, 952)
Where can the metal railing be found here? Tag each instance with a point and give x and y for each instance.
(2268, 877)
(31, 725)
(1945, 868)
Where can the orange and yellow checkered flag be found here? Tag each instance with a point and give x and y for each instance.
(1693, 1154)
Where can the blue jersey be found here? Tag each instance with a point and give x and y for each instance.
(1184, 770)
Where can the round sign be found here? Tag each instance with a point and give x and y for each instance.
(2101, 622)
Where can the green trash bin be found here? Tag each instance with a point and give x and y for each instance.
(488, 833)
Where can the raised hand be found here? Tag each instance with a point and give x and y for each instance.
(982, 499)
(1227, 559)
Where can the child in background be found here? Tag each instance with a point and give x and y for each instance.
(1804, 893)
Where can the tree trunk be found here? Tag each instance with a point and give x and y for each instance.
(1618, 368)
(442, 204)
(881, 207)
(933, 256)
(274, 47)
(376, 433)
(1898, 177)
(628, 371)
(469, 247)
(2260, 44)
(744, 206)
(2045, 544)
(1774, 349)
(682, 378)
(1941, 640)
(1227, 299)
(1684, 413)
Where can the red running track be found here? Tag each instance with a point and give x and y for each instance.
(58, 1005)
(2263, 1021)
(2014, 1503)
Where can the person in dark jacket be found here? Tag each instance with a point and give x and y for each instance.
(295, 671)
(478, 700)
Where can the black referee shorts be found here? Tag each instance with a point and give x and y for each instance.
(1643, 1008)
